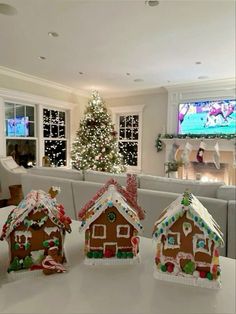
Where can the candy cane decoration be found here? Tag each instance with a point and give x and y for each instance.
(50, 263)
(135, 242)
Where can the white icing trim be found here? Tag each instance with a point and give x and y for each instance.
(18, 234)
(112, 261)
(109, 243)
(96, 248)
(104, 231)
(196, 249)
(50, 230)
(172, 246)
(188, 280)
(119, 235)
(185, 231)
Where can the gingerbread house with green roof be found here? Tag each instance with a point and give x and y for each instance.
(188, 242)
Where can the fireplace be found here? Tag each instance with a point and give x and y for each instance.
(206, 172)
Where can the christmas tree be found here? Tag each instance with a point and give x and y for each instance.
(96, 145)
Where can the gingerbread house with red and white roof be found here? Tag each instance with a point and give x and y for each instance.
(111, 221)
(33, 227)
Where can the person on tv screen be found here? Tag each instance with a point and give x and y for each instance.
(230, 111)
(215, 111)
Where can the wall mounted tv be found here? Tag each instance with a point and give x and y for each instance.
(207, 117)
(18, 127)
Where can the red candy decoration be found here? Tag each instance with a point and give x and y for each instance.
(51, 243)
(216, 253)
(170, 267)
(214, 269)
(108, 253)
(202, 274)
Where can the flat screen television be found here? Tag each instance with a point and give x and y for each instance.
(207, 117)
(18, 126)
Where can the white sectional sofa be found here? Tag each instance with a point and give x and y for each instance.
(154, 194)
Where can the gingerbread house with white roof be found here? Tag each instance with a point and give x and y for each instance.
(33, 227)
(111, 221)
(188, 242)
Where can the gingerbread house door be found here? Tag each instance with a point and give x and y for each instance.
(110, 249)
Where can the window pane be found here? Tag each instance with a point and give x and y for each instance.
(54, 130)
(23, 151)
(46, 130)
(129, 121)
(30, 113)
(135, 120)
(135, 134)
(20, 111)
(130, 152)
(54, 117)
(30, 129)
(62, 131)
(46, 116)
(122, 133)
(9, 111)
(62, 117)
(56, 151)
(128, 134)
(122, 121)
(10, 127)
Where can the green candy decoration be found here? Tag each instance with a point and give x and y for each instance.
(124, 254)
(45, 244)
(163, 268)
(189, 267)
(209, 276)
(28, 262)
(90, 254)
(16, 246)
(27, 246)
(96, 254)
(56, 242)
(15, 265)
(119, 254)
(130, 255)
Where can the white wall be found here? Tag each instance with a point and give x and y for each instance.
(154, 120)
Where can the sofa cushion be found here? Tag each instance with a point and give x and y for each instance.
(199, 188)
(227, 192)
(231, 249)
(70, 174)
(103, 177)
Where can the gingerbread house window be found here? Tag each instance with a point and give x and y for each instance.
(123, 231)
(201, 244)
(172, 240)
(99, 231)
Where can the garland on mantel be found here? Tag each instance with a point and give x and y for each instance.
(159, 143)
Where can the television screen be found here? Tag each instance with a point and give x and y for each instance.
(207, 117)
(18, 126)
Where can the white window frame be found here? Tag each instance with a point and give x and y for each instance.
(196, 249)
(130, 110)
(170, 246)
(119, 235)
(104, 231)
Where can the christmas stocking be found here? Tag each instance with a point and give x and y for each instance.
(173, 152)
(186, 152)
(216, 156)
(200, 152)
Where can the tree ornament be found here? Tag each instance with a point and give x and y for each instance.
(200, 152)
(216, 156)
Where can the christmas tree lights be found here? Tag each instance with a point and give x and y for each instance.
(96, 146)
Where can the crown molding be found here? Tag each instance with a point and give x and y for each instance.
(13, 95)
(140, 92)
(40, 81)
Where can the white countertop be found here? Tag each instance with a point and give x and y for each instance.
(109, 289)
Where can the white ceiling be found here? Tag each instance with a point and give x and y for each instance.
(107, 39)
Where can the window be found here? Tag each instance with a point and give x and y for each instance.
(123, 231)
(201, 244)
(128, 123)
(99, 231)
(172, 240)
(20, 133)
(54, 133)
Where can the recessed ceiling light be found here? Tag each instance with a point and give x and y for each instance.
(127, 73)
(202, 77)
(42, 58)
(198, 62)
(53, 34)
(152, 3)
(81, 73)
(7, 9)
(138, 80)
